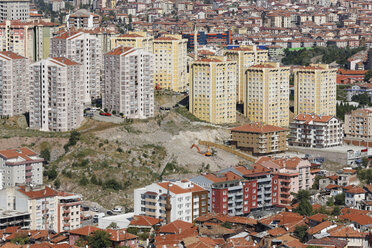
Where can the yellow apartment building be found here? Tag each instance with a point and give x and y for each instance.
(245, 56)
(170, 63)
(315, 90)
(212, 90)
(267, 94)
(135, 40)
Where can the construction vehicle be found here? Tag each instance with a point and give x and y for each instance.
(207, 154)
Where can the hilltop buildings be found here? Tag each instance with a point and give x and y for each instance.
(170, 63)
(134, 39)
(245, 56)
(84, 49)
(128, 86)
(213, 90)
(267, 94)
(315, 90)
(14, 84)
(56, 95)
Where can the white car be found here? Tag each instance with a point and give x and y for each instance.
(117, 210)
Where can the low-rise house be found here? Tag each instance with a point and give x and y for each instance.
(259, 138)
(144, 223)
(354, 196)
(316, 131)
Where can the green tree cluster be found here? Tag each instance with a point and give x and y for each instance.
(45, 154)
(328, 55)
(300, 232)
(362, 99)
(368, 76)
(342, 109)
(74, 138)
(304, 207)
(365, 175)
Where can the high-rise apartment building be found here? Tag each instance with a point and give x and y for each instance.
(188, 200)
(245, 56)
(29, 39)
(128, 86)
(85, 49)
(20, 166)
(14, 84)
(49, 209)
(315, 90)
(170, 63)
(213, 90)
(134, 39)
(267, 96)
(14, 10)
(56, 95)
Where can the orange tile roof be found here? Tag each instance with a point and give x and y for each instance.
(357, 218)
(177, 226)
(346, 232)
(319, 227)
(12, 55)
(38, 193)
(121, 50)
(130, 36)
(315, 118)
(258, 128)
(84, 231)
(178, 190)
(65, 61)
(15, 153)
(356, 190)
(277, 231)
(140, 220)
(166, 38)
(120, 235)
(318, 217)
(222, 177)
(368, 187)
(209, 60)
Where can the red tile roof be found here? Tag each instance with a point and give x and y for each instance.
(121, 50)
(140, 220)
(38, 193)
(319, 227)
(356, 190)
(177, 226)
(65, 61)
(315, 118)
(12, 55)
(15, 153)
(178, 190)
(258, 128)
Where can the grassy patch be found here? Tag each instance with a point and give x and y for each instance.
(185, 113)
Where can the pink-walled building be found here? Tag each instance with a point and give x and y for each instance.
(294, 174)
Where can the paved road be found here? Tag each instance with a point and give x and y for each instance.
(112, 118)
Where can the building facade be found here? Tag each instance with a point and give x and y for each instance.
(170, 63)
(188, 200)
(245, 56)
(240, 190)
(213, 90)
(134, 39)
(315, 90)
(128, 86)
(14, 10)
(9, 218)
(56, 95)
(316, 131)
(85, 49)
(83, 19)
(14, 84)
(267, 96)
(20, 166)
(260, 139)
(358, 124)
(48, 208)
(293, 174)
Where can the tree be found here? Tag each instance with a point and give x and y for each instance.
(303, 198)
(99, 239)
(51, 173)
(362, 99)
(365, 162)
(83, 181)
(336, 211)
(45, 154)
(113, 225)
(227, 225)
(20, 239)
(57, 183)
(300, 232)
(368, 76)
(330, 201)
(316, 181)
(340, 199)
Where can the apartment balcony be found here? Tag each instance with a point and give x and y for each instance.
(66, 225)
(28, 174)
(66, 218)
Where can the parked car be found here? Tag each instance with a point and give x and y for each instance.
(85, 208)
(86, 217)
(117, 210)
(98, 216)
(95, 209)
(105, 114)
(109, 213)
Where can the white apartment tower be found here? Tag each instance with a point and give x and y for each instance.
(56, 94)
(128, 85)
(20, 166)
(14, 84)
(14, 10)
(85, 49)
